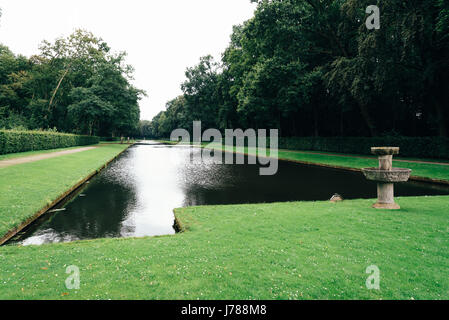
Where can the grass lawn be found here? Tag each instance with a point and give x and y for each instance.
(305, 250)
(27, 188)
(432, 171)
(35, 153)
(118, 142)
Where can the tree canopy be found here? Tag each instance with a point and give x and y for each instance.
(75, 84)
(313, 68)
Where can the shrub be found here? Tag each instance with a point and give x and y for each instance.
(22, 141)
(419, 147)
(110, 139)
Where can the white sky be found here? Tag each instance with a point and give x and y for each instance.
(162, 37)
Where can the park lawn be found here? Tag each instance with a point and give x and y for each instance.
(27, 188)
(423, 170)
(10, 156)
(118, 142)
(302, 250)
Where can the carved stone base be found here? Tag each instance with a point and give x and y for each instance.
(387, 206)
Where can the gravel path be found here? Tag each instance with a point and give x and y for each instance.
(12, 162)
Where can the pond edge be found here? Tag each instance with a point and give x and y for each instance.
(13, 232)
(315, 164)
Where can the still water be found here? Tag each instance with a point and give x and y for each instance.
(135, 196)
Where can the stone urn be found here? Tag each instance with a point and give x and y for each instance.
(386, 176)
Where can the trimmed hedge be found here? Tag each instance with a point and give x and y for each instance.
(414, 147)
(22, 141)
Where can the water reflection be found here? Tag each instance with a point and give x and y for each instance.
(135, 196)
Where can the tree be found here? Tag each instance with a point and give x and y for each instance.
(14, 88)
(144, 129)
(88, 110)
(200, 92)
(74, 85)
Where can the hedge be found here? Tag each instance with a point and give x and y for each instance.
(22, 141)
(415, 147)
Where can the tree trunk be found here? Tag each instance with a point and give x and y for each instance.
(57, 87)
(279, 123)
(364, 110)
(315, 122)
(442, 126)
(342, 125)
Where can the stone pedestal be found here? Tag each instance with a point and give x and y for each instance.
(385, 191)
(386, 176)
(386, 162)
(385, 197)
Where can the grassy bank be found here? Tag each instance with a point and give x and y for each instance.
(27, 188)
(422, 170)
(35, 153)
(309, 250)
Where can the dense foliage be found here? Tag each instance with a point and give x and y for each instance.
(22, 141)
(416, 147)
(73, 85)
(312, 68)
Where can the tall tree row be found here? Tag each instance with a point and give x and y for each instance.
(74, 84)
(313, 68)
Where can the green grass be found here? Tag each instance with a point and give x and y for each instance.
(305, 250)
(308, 250)
(35, 153)
(433, 171)
(424, 170)
(27, 188)
(118, 142)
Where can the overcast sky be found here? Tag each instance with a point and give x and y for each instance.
(162, 38)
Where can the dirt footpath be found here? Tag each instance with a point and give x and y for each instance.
(12, 162)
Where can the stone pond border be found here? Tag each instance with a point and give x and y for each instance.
(179, 228)
(315, 164)
(10, 234)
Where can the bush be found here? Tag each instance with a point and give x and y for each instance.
(418, 147)
(22, 141)
(110, 139)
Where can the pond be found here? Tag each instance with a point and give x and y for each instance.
(135, 196)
